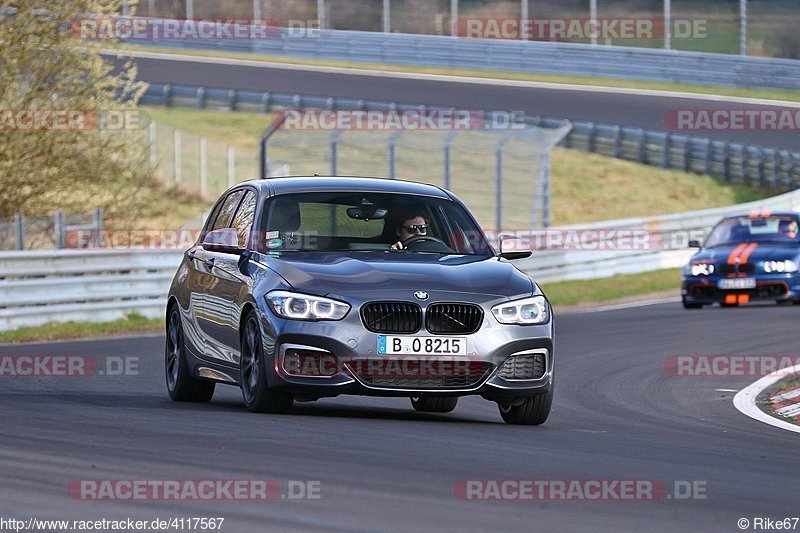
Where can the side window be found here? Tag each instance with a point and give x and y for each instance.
(213, 215)
(228, 208)
(243, 220)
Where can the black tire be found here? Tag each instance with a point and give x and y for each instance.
(723, 304)
(691, 305)
(258, 397)
(533, 411)
(434, 404)
(181, 386)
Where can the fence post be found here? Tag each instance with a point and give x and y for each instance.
(231, 166)
(498, 185)
(203, 168)
(176, 138)
(19, 227)
(59, 229)
(153, 149)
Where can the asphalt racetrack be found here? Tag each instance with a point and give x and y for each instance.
(635, 110)
(617, 415)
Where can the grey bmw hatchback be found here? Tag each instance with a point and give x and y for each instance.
(303, 288)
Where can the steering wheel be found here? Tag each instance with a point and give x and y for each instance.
(437, 245)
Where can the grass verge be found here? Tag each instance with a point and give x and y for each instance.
(131, 324)
(591, 291)
(563, 293)
(767, 94)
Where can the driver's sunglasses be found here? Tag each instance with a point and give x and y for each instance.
(422, 228)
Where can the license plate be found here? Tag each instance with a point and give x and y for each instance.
(414, 345)
(738, 283)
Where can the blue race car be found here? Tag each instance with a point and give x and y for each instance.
(745, 258)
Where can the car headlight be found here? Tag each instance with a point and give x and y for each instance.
(296, 306)
(702, 269)
(533, 310)
(786, 265)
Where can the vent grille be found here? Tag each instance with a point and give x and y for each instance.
(453, 318)
(392, 317)
(415, 375)
(531, 366)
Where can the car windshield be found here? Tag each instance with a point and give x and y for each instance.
(774, 229)
(366, 221)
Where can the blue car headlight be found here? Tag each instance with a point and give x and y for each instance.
(701, 269)
(533, 310)
(780, 267)
(297, 306)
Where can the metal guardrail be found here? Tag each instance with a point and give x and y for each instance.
(528, 56)
(37, 287)
(734, 162)
(99, 285)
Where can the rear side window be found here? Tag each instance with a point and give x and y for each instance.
(225, 215)
(243, 220)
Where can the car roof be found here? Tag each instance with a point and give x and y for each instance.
(301, 184)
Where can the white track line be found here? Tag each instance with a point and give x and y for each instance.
(451, 79)
(745, 400)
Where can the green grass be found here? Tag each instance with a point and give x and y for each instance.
(586, 187)
(131, 324)
(616, 287)
(768, 94)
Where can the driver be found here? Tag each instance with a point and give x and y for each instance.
(414, 224)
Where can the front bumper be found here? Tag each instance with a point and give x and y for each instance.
(355, 349)
(705, 289)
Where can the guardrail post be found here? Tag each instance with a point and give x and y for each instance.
(201, 97)
(231, 166)
(707, 158)
(665, 160)
(617, 141)
(642, 146)
(19, 230)
(266, 104)
(203, 168)
(97, 222)
(167, 95)
(59, 229)
(726, 161)
(176, 142)
(590, 137)
(687, 146)
(232, 100)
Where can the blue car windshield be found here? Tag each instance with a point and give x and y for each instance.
(369, 222)
(772, 229)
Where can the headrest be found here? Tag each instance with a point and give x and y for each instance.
(284, 215)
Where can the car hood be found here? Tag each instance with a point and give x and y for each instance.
(761, 252)
(366, 272)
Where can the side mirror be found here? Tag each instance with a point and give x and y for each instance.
(695, 244)
(225, 240)
(514, 248)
